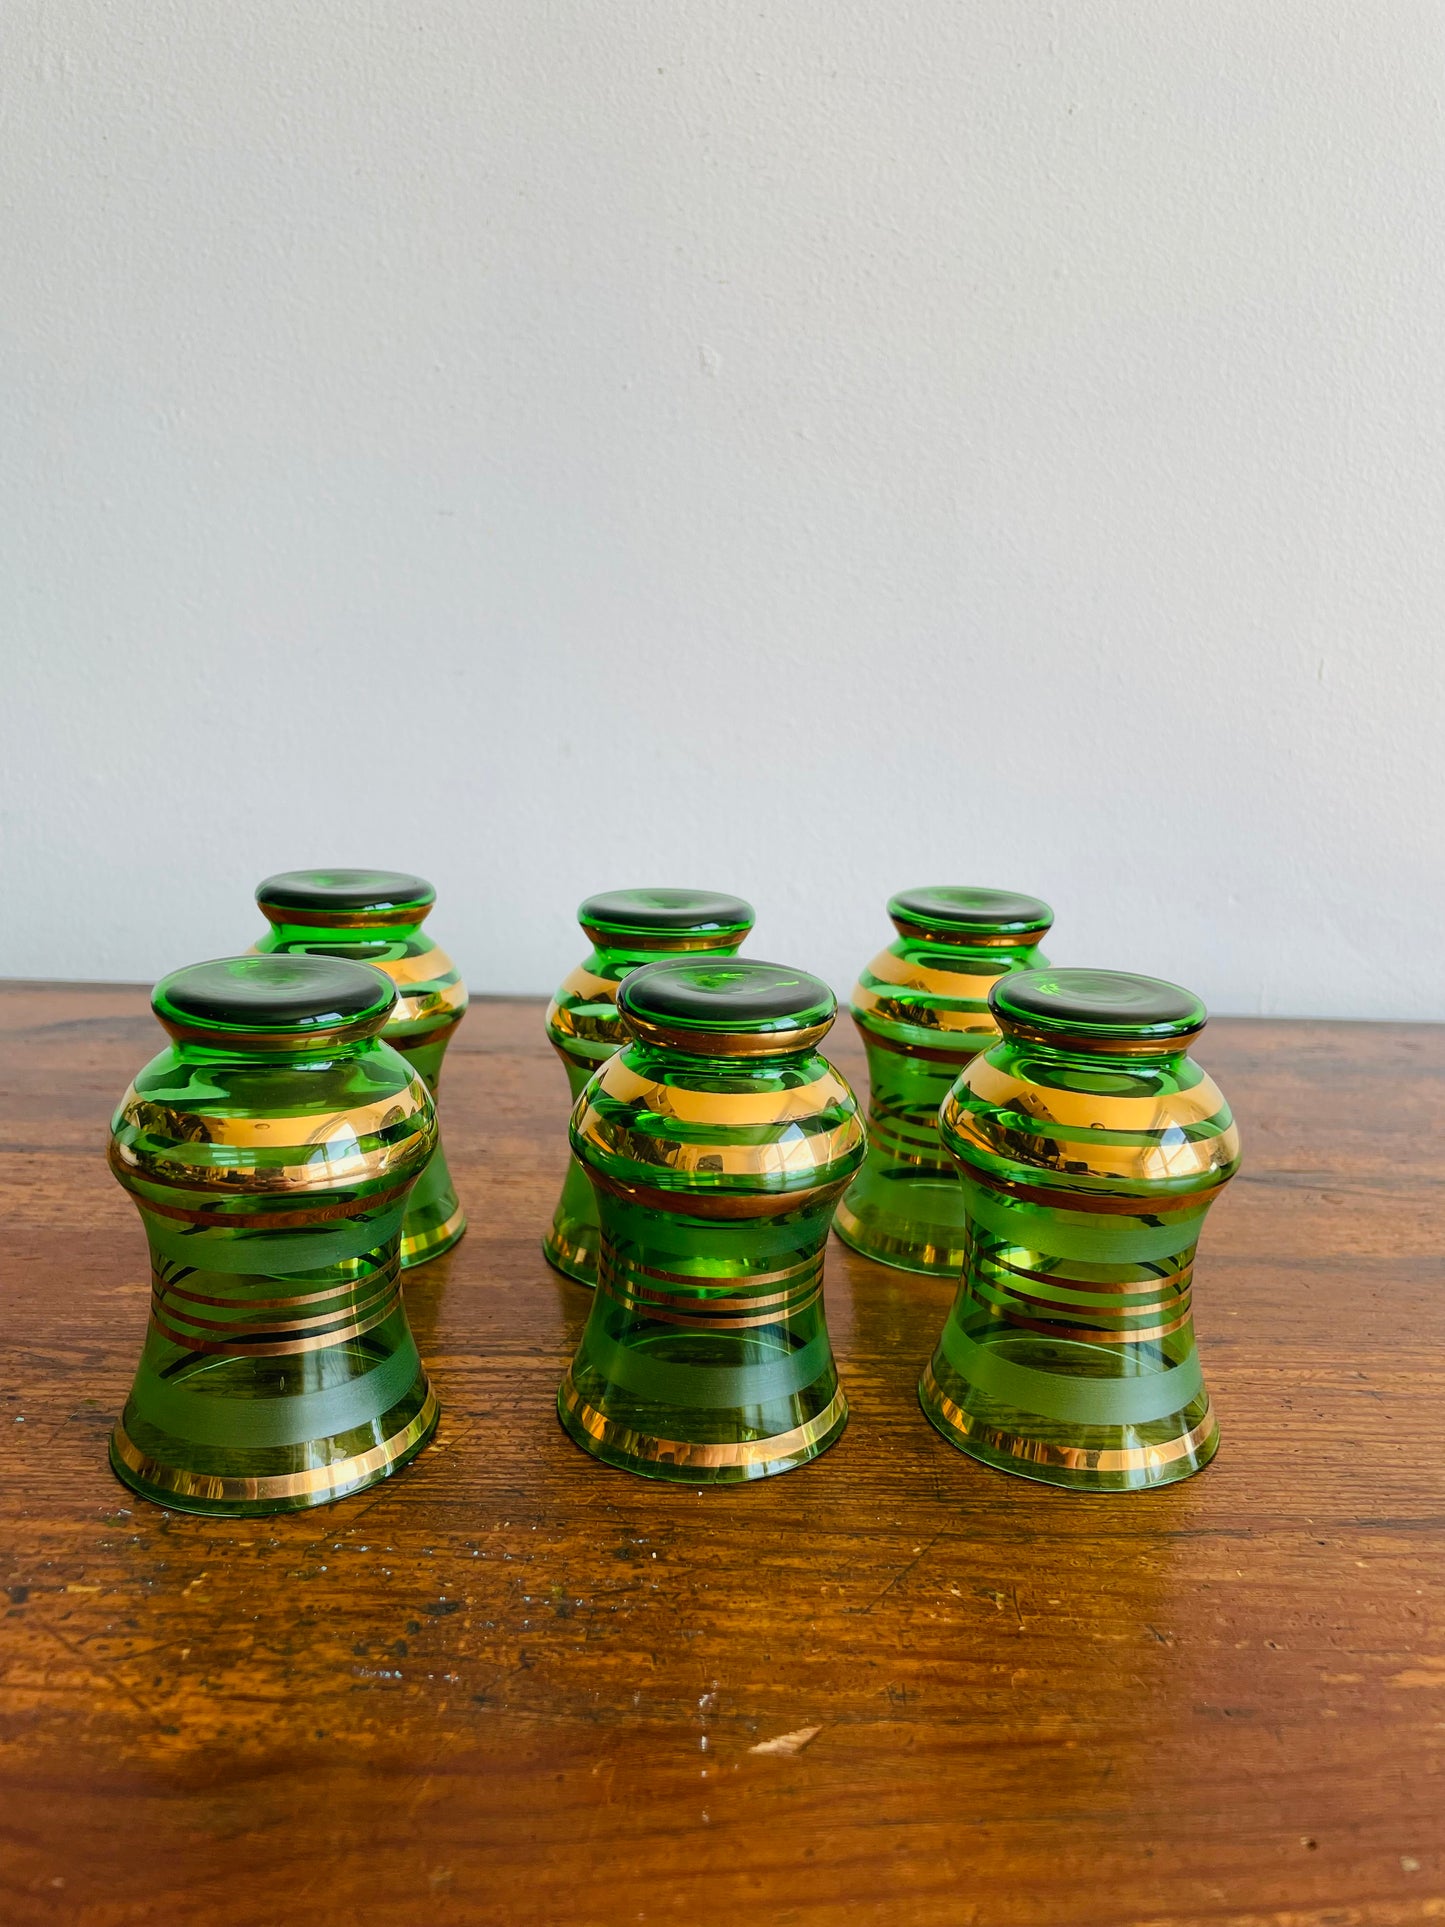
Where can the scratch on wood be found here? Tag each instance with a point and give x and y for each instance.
(99, 1670)
(902, 1573)
(788, 1742)
(1430, 1672)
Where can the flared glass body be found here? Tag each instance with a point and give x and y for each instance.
(271, 1150)
(717, 1142)
(627, 928)
(1090, 1146)
(922, 1009)
(375, 917)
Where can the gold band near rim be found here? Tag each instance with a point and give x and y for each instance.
(1071, 1458)
(1027, 937)
(683, 1452)
(1060, 1037)
(393, 919)
(794, 1105)
(664, 941)
(323, 1479)
(725, 1043)
(255, 1043)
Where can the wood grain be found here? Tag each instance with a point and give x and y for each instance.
(512, 1686)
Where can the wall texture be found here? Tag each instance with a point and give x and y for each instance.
(804, 448)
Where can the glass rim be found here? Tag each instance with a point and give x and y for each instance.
(731, 1007)
(1094, 1009)
(965, 913)
(312, 1000)
(342, 899)
(664, 914)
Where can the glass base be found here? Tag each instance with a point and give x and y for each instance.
(434, 1219)
(1093, 1458)
(234, 1495)
(721, 1462)
(911, 1223)
(422, 1247)
(574, 1258)
(571, 1245)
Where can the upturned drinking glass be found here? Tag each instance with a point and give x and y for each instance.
(271, 1149)
(1090, 1145)
(922, 1008)
(375, 917)
(717, 1141)
(626, 928)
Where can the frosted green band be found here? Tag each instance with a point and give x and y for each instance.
(1071, 1400)
(707, 1387)
(678, 1244)
(1096, 1237)
(247, 1423)
(272, 1254)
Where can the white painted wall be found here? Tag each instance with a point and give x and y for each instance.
(806, 448)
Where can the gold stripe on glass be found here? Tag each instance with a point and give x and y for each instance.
(1075, 1458)
(787, 1157)
(624, 1085)
(1152, 1111)
(684, 1452)
(330, 1479)
(907, 974)
(337, 1128)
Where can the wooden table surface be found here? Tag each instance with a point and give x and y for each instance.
(514, 1686)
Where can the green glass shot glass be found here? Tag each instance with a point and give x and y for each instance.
(271, 1150)
(922, 1008)
(626, 928)
(717, 1141)
(1090, 1146)
(375, 917)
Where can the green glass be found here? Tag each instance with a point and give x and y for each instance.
(270, 1150)
(626, 928)
(922, 1008)
(375, 917)
(717, 1141)
(1090, 1146)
